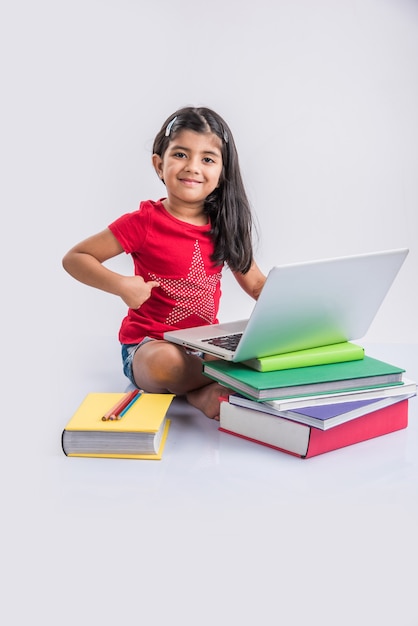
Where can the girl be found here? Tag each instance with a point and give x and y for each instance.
(179, 245)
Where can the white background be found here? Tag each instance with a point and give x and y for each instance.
(322, 99)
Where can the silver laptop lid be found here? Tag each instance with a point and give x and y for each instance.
(319, 303)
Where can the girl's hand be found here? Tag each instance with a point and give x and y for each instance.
(85, 263)
(135, 291)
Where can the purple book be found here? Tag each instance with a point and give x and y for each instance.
(326, 411)
(324, 416)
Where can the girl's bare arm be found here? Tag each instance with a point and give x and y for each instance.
(252, 282)
(85, 263)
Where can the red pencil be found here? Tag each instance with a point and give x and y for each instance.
(115, 411)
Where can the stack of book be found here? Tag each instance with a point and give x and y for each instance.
(313, 401)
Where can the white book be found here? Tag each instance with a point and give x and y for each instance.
(323, 416)
(407, 388)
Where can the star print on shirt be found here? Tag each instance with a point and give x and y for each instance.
(194, 293)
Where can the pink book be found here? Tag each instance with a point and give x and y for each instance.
(306, 441)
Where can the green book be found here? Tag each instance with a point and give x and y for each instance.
(364, 373)
(335, 353)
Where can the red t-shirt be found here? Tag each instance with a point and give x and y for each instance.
(177, 255)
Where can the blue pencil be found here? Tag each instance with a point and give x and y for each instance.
(138, 395)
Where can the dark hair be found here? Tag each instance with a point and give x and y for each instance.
(227, 206)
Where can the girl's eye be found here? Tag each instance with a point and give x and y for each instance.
(208, 160)
(179, 155)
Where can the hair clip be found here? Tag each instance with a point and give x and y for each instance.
(225, 136)
(169, 126)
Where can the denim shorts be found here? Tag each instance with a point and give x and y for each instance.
(128, 353)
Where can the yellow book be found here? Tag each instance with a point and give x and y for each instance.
(140, 433)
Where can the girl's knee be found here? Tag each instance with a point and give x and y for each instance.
(159, 364)
(162, 354)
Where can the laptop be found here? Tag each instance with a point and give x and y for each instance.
(303, 305)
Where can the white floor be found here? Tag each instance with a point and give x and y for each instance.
(219, 531)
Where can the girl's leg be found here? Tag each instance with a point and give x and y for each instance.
(161, 367)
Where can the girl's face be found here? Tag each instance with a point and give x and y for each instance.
(191, 166)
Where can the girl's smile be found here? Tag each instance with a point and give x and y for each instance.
(190, 181)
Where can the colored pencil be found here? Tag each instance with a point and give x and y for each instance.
(115, 411)
(134, 399)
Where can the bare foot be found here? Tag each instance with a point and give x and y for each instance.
(206, 399)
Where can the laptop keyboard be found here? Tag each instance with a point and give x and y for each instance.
(229, 342)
